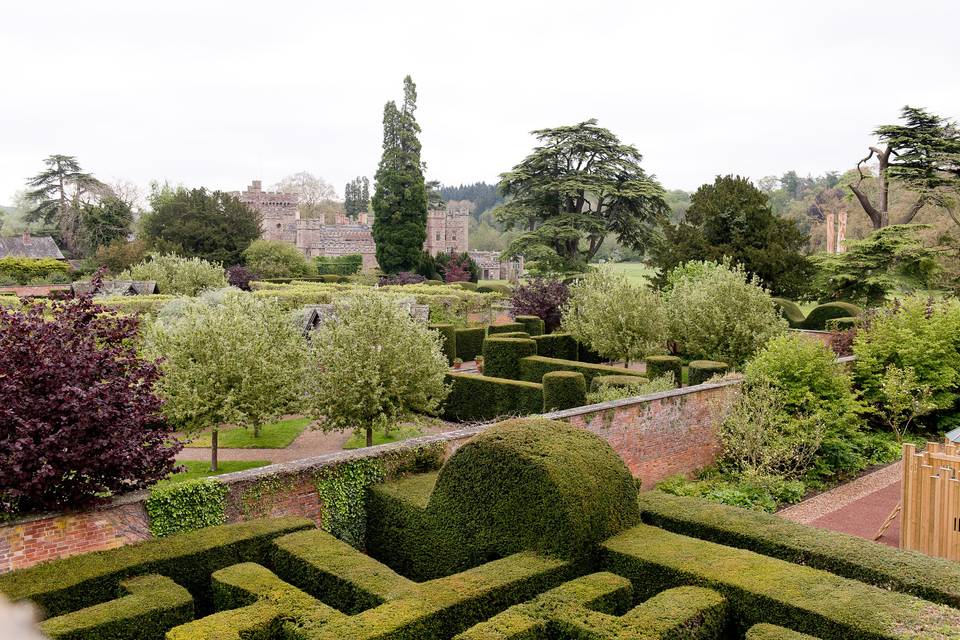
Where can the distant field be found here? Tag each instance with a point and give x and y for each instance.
(636, 271)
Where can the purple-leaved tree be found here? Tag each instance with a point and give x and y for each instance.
(543, 298)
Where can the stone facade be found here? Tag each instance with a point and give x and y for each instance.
(657, 436)
(447, 230)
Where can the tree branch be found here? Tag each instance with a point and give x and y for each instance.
(914, 210)
(868, 207)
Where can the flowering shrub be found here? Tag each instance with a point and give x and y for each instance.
(543, 298)
(79, 419)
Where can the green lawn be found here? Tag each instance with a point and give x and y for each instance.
(201, 469)
(358, 441)
(635, 271)
(276, 435)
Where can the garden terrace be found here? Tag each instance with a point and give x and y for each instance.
(560, 552)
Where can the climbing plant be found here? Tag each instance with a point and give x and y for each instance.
(342, 491)
(186, 506)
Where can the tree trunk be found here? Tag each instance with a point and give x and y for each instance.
(213, 449)
(369, 436)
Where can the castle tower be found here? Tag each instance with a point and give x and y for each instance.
(280, 212)
(447, 230)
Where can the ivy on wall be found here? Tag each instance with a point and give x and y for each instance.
(342, 490)
(186, 506)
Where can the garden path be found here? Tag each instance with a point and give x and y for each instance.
(859, 507)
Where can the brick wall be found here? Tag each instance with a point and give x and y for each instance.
(657, 436)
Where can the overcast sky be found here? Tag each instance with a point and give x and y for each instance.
(219, 93)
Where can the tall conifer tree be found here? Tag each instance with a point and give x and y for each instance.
(400, 193)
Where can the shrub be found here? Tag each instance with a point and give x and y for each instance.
(623, 382)
(470, 342)
(186, 506)
(177, 276)
(532, 324)
(448, 340)
(476, 398)
(533, 368)
(117, 256)
(457, 267)
(791, 312)
(374, 367)
(239, 276)
(24, 270)
(614, 317)
(507, 327)
(700, 371)
(501, 356)
(718, 311)
(755, 492)
(556, 345)
(402, 278)
(542, 298)
(665, 365)
(347, 265)
(79, 418)
(275, 259)
(513, 334)
(821, 314)
(841, 324)
(563, 390)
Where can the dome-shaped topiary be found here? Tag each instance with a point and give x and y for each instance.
(662, 365)
(699, 371)
(563, 390)
(817, 319)
(791, 311)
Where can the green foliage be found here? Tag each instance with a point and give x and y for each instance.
(533, 368)
(342, 490)
(152, 605)
(400, 193)
(841, 324)
(533, 325)
(356, 196)
(731, 219)
(476, 398)
(889, 260)
(507, 327)
(609, 388)
(501, 356)
(614, 317)
(196, 223)
(176, 275)
(556, 345)
(624, 382)
(105, 222)
(578, 186)
(186, 506)
(791, 312)
(240, 362)
(275, 259)
(470, 342)
(658, 366)
(820, 315)
(374, 366)
(701, 371)
(448, 340)
(25, 270)
(852, 557)
(717, 311)
(915, 333)
(563, 390)
(117, 256)
(347, 265)
(758, 588)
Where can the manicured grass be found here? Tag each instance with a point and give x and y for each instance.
(276, 435)
(358, 441)
(638, 272)
(201, 469)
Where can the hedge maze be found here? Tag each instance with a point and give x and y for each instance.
(531, 531)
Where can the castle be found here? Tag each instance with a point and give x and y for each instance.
(447, 230)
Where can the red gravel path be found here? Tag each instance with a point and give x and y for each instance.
(865, 516)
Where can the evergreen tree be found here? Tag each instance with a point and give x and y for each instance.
(56, 192)
(356, 196)
(106, 222)
(400, 193)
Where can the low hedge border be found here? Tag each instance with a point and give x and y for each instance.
(556, 345)
(153, 605)
(502, 356)
(665, 365)
(448, 340)
(773, 632)
(909, 572)
(762, 589)
(563, 390)
(188, 559)
(469, 342)
(476, 398)
(700, 371)
(532, 324)
(533, 368)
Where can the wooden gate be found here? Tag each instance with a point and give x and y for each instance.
(930, 521)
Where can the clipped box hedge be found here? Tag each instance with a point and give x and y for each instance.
(532, 324)
(508, 327)
(475, 398)
(909, 572)
(188, 559)
(563, 390)
(700, 371)
(533, 368)
(556, 345)
(448, 337)
(665, 365)
(470, 342)
(762, 589)
(502, 356)
(819, 315)
(623, 382)
(791, 312)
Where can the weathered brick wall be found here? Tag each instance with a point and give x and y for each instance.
(657, 436)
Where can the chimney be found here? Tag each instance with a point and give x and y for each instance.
(830, 233)
(255, 186)
(26, 237)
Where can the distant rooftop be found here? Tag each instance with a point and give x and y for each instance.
(26, 246)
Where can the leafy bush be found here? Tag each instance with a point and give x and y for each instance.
(175, 275)
(758, 493)
(717, 311)
(614, 317)
(563, 390)
(457, 267)
(24, 270)
(79, 418)
(609, 392)
(347, 265)
(275, 259)
(117, 256)
(404, 277)
(543, 298)
(186, 506)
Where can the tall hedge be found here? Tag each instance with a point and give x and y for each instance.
(470, 342)
(532, 324)
(476, 398)
(699, 371)
(508, 327)
(818, 316)
(556, 345)
(501, 356)
(448, 338)
(533, 368)
(25, 270)
(563, 390)
(662, 365)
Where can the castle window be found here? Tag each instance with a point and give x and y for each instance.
(438, 236)
(278, 225)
